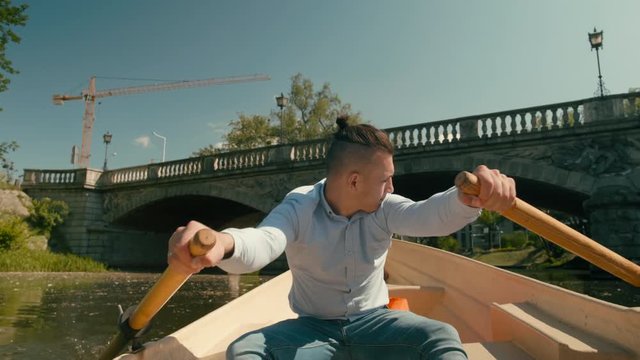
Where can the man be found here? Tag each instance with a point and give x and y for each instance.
(336, 235)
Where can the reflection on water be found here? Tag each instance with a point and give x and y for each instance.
(72, 315)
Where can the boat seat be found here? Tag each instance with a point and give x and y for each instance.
(546, 337)
(495, 351)
(420, 299)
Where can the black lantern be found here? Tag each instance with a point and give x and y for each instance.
(595, 39)
(282, 102)
(107, 140)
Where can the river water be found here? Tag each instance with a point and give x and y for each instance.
(73, 315)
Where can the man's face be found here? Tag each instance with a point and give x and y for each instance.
(377, 181)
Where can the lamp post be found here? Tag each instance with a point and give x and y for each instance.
(595, 39)
(282, 102)
(164, 143)
(107, 140)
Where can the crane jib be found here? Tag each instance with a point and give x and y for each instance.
(91, 94)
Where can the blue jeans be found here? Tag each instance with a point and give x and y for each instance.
(382, 334)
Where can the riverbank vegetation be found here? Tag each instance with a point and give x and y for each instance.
(495, 240)
(23, 241)
(27, 260)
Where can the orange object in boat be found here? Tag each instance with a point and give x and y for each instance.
(398, 303)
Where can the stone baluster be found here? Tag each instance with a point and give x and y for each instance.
(494, 126)
(484, 133)
(554, 119)
(455, 134)
(523, 122)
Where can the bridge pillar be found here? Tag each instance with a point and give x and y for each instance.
(603, 109)
(614, 214)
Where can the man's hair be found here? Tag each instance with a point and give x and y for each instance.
(355, 142)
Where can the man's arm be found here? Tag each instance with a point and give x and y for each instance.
(448, 211)
(237, 250)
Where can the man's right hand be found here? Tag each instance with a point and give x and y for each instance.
(179, 257)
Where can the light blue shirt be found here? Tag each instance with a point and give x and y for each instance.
(337, 264)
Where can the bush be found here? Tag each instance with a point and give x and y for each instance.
(448, 243)
(515, 240)
(45, 214)
(13, 233)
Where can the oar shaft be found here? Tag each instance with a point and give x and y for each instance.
(116, 344)
(553, 230)
(170, 281)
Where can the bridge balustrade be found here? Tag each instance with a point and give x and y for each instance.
(310, 150)
(499, 124)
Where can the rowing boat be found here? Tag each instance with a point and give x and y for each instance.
(499, 314)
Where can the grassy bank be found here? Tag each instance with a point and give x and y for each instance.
(23, 260)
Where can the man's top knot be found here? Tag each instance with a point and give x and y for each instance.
(342, 121)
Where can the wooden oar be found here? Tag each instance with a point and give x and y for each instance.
(170, 281)
(560, 234)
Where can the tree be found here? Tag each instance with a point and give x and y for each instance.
(10, 16)
(248, 132)
(491, 219)
(309, 115)
(6, 165)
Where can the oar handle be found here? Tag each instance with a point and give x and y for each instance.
(170, 281)
(560, 234)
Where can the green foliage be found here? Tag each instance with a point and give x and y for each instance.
(40, 260)
(6, 165)
(45, 214)
(208, 150)
(448, 243)
(489, 218)
(13, 233)
(310, 114)
(248, 132)
(10, 16)
(515, 240)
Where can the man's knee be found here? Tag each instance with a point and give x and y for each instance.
(448, 332)
(444, 343)
(248, 346)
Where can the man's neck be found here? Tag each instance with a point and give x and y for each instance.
(338, 201)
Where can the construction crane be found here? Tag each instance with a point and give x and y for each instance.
(90, 95)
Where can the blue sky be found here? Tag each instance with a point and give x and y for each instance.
(397, 62)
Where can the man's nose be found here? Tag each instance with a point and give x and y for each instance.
(390, 187)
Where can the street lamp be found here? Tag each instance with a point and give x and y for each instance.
(164, 143)
(595, 39)
(282, 102)
(107, 140)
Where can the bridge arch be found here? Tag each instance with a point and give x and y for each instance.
(119, 204)
(541, 184)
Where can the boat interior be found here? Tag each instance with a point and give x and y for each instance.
(498, 314)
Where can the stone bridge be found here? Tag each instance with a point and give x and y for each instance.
(580, 157)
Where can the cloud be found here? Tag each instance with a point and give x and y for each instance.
(142, 141)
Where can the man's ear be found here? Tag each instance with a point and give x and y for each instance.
(353, 181)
